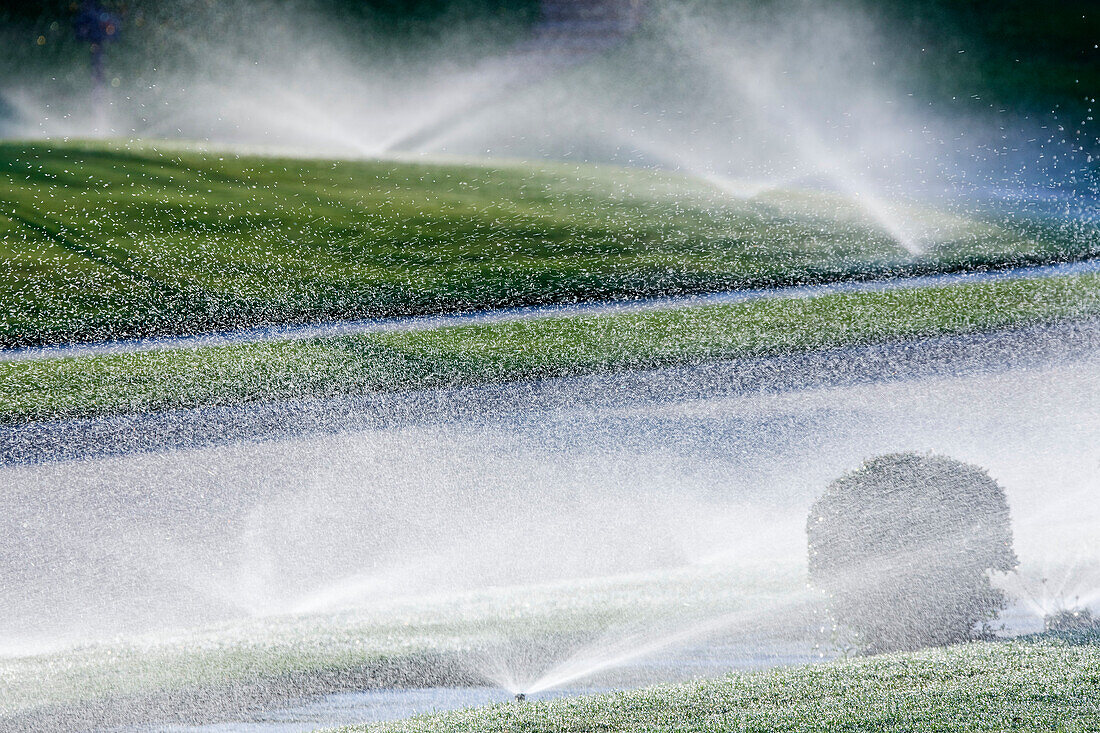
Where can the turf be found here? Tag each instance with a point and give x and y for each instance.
(544, 347)
(1026, 685)
(400, 633)
(104, 240)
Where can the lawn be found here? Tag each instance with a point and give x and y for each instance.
(1023, 685)
(444, 638)
(107, 240)
(528, 349)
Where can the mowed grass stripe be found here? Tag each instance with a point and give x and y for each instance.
(215, 240)
(473, 354)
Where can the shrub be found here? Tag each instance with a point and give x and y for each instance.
(902, 548)
(1071, 619)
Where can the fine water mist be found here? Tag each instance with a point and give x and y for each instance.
(790, 92)
(554, 493)
(542, 535)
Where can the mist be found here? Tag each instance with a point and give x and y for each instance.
(785, 93)
(555, 492)
(570, 526)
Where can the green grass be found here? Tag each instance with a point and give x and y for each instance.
(471, 354)
(398, 631)
(1025, 685)
(104, 240)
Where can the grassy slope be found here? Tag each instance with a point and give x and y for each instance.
(1021, 685)
(101, 240)
(401, 632)
(524, 349)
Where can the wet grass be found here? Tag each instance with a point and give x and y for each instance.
(103, 240)
(544, 347)
(1025, 685)
(409, 641)
(257, 654)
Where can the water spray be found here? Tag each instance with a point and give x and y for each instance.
(1071, 619)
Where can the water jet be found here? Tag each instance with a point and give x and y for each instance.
(575, 523)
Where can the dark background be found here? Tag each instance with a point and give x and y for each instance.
(1022, 54)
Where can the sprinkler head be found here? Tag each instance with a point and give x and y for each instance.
(520, 696)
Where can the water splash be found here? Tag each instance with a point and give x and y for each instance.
(618, 649)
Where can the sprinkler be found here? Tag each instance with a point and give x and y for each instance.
(520, 696)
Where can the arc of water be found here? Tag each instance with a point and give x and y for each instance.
(599, 657)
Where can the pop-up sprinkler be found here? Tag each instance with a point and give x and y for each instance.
(520, 696)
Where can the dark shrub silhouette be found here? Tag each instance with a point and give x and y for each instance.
(1071, 619)
(902, 547)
